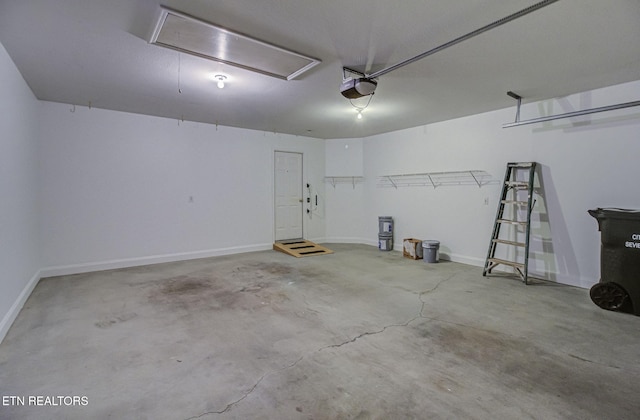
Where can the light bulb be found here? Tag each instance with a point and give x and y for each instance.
(220, 78)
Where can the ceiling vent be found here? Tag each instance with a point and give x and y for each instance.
(190, 35)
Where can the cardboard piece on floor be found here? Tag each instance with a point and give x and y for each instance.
(301, 248)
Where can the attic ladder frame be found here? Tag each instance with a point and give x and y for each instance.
(512, 185)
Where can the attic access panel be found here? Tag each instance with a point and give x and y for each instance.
(193, 36)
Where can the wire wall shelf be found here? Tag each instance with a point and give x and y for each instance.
(335, 180)
(438, 179)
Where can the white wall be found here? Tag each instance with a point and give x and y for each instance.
(120, 189)
(345, 202)
(585, 162)
(19, 259)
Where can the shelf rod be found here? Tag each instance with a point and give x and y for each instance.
(573, 114)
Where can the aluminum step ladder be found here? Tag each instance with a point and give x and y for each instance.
(518, 180)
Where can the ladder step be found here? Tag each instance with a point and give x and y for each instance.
(496, 261)
(517, 184)
(517, 203)
(520, 164)
(511, 222)
(503, 241)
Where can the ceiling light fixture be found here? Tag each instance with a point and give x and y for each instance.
(356, 86)
(360, 108)
(220, 79)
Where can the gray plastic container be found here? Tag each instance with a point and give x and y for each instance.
(385, 224)
(431, 251)
(385, 241)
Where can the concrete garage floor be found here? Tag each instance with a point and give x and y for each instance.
(359, 334)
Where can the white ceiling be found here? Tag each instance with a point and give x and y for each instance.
(97, 52)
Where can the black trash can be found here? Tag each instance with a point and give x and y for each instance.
(619, 286)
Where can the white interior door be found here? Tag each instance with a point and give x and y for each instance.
(288, 195)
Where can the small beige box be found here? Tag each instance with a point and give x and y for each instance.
(412, 248)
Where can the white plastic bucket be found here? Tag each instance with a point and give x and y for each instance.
(431, 251)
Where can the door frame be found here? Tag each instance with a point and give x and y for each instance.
(273, 195)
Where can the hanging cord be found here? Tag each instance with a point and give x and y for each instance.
(179, 67)
(179, 77)
(359, 108)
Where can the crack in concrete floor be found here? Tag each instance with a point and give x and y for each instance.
(353, 340)
(246, 394)
(231, 404)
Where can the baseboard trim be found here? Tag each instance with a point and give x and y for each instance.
(463, 259)
(564, 279)
(11, 316)
(66, 270)
(350, 240)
